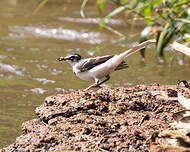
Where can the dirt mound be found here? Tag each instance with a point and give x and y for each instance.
(109, 119)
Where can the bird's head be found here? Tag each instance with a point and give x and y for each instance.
(72, 59)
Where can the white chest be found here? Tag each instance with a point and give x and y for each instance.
(83, 75)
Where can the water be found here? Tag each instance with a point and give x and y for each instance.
(30, 45)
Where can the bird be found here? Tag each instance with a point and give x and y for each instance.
(97, 68)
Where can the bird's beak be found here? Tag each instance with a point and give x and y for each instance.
(61, 59)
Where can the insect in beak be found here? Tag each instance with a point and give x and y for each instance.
(61, 59)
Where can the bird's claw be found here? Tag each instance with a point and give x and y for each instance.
(93, 86)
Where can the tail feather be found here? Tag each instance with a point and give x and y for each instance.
(122, 65)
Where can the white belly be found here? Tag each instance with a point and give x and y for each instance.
(85, 76)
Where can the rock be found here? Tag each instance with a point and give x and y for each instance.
(109, 119)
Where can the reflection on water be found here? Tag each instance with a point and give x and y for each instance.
(30, 46)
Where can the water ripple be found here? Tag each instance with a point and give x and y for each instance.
(38, 90)
(90, 20)
(10, 68)
(57, 33)
(44, 80)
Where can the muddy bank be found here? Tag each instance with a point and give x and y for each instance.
(109, 119)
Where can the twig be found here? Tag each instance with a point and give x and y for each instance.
(114, 31)
(103, 150)
(181, 48)
(146, 117)
(82, 8)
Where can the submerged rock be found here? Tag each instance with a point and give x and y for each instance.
(109, 119)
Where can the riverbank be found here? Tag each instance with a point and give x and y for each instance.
(109, 119)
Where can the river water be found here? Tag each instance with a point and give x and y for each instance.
(30, 45)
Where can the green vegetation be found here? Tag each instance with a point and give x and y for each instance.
(40, 6)
(166, 20)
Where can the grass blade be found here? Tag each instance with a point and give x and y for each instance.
(113, 13)
(100, 4)
(161, 41)
(145, 34)
(40, 6)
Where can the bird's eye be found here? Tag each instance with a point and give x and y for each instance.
(72, 58)
(77, 57)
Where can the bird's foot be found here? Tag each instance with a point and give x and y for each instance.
(97, 84)
(93, 86)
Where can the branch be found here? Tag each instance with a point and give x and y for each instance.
(114, 31)
(82, 8)
(181, 48)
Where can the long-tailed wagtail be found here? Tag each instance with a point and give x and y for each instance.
(94, 69)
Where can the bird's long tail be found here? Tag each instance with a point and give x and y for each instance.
(117, 59)
(137, 48)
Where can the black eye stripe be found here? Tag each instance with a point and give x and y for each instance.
(74, 57)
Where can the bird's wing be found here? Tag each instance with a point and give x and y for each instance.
(89, 63)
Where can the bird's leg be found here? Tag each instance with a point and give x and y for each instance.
(107, 78)
(97, 83)
(92, 86)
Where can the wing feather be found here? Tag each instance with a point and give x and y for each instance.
(89, 63)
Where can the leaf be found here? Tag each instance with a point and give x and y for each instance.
(148, 6)
(185, 29)
(102, 23)
(147, 13)
(113, 13)
(116, 11)
(145, 34)
(162, 36)
(157, 37)
(171, 32)
(124, 2)
(183, 20)
(164, 39)
(40, 6)
(187, 37)
(180, 3)
(156, 2)
(100, 6)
